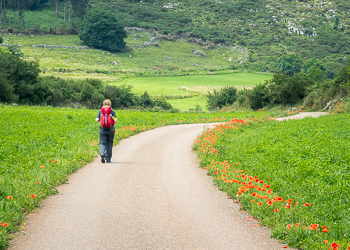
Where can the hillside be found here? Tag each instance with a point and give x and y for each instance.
(268, 29)
(265, 29)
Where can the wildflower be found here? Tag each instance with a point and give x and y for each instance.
(32, 196)
(276, 210)
(297, 224)
(314, 226)
(252, 200)
(289, 226)
(9, 197)
(325, 230)
(269, 203)
(4, 224)
(307, 204)
(335, 246)
(326, 241)
(260, 203)
(288, 205)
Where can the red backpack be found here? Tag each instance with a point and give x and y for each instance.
(106, 117)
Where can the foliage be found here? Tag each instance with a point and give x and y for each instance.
(224, 97)
(18, 79)
(289, 64)
(292, 176)
(101, 29)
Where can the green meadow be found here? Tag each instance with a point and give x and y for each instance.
(43, 145)
(170, 69)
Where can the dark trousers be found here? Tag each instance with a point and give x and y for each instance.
(106, 142)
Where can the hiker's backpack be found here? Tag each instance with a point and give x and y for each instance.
(107, 120)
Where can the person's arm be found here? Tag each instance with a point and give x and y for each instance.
(115, 116)
(98, 116)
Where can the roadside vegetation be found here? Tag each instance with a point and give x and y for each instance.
(291, 176)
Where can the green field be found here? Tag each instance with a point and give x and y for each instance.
(170, 70)
(41, 146)
(292, 176)
(185, 92)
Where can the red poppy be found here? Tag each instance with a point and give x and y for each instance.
(335, 246)
(307, 204)
(32, 195)
(4, 224)
(9, 197)
(276, 210)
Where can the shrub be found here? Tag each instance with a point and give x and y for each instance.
(18, 79)
(226, 96)
(120, 96)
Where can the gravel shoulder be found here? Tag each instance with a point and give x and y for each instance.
(152, 196)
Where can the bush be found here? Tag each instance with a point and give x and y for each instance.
(258, 97)
(120, 96)
(18, 79)
(226, 96)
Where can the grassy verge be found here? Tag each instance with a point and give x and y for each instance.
(41, 146)
(293, 176)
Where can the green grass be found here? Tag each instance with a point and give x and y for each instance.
(170, 58)
(303, 160)
(143, 68)
(41, 146)
(185, 92)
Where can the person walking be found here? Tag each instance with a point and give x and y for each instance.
(108, 118)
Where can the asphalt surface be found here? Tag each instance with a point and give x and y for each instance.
(152, 196)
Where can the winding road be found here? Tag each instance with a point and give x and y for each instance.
(152, 196)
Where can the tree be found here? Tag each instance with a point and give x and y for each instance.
(289, 64)
(102, 30)
(79, 7)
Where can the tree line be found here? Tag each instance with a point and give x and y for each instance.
(297, 82)
(71, 7)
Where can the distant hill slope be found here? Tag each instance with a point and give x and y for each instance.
(267, 29)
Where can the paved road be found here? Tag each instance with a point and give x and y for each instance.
(152, 196)
(302, 115)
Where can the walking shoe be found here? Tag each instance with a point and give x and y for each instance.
(102, 158)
